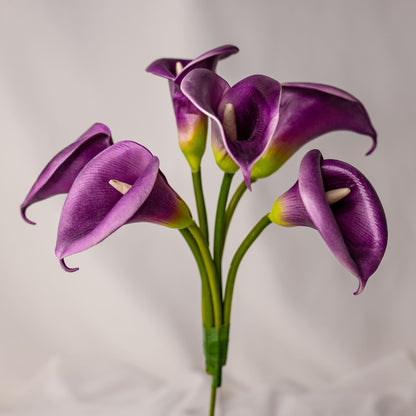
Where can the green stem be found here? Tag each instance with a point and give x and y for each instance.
(212, 402)
(238, 256)
(207, 309)
(200, 203)
(232, 205)
(214, 285)
(219, 233)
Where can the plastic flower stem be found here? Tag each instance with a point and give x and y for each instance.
(219, 232)
(207, 310)
(211, 272)
(232, 205)
(200, 203)
(212, 402)
(235, 262)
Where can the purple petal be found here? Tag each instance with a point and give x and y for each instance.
(205, 90)
(360, 216)
(166, 67)
(307, 111)
(354, 228)
(163, 206)
(94, 209)
(61, 171)
(256, 103)
(312, 192)
(289, 210)
(191, 123)
(192, 127)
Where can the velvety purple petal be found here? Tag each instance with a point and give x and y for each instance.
(360, 216)
(192, 127)
(166, 67)
(93, 208)
(307, 111)
(205, 89)
(256, 104)
(191, 123)
(312, 191)
(289, 210)
(61, 171)
(182, 106)
(354, 228)
(208, 60)
(310, 110)
(163, 206)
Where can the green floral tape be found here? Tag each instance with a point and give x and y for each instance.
(215, 350)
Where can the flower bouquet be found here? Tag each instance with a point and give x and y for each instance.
(256, 125)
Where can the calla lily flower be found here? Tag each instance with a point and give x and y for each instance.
(121, 185)
(307, 111)
(244, 117)
(191, 123)
(61, 171)
(337, 200)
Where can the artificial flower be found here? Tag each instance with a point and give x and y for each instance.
(61, 171)
(244, 117)
(191, 123)
(307, 111)
(121, 185)
(337, 200)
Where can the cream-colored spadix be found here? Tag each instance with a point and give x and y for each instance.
(336, 195)
(178, 67)
(122, 187)
(229, 123)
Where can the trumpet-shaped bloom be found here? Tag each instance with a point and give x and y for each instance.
(244, 117)
(353, 225)
(307, 111)
(61, 171)
(191, 123)
(94, 209)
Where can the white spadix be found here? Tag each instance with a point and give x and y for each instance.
(336, 195)
(122, 187)
(229, 123)
(178, 67)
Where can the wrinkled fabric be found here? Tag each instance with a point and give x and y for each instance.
(66, 387)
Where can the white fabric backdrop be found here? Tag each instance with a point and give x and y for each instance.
(122, 335)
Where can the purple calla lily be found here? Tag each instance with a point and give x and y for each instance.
(191, 123)
(61, 171)
(307, 111)
(337, 200)
(244, 116)
(94, 209)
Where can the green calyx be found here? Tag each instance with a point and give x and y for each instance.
(192, 142)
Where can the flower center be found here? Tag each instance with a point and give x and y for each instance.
(122, 187)
(178, 67)
(229, 123)
(336, 195)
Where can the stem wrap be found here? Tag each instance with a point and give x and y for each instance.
(215, 350)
